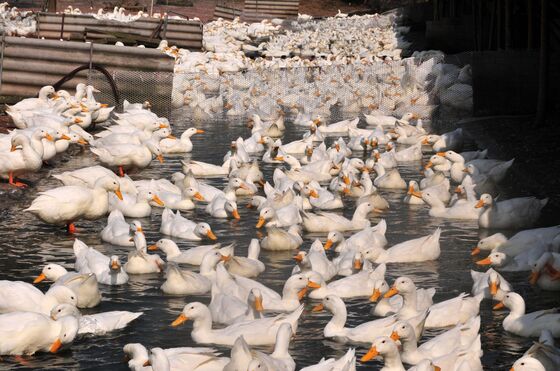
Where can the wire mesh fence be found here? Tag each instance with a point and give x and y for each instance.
(423, 85)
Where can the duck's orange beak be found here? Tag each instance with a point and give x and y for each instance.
(200, 131)
(259, 304)
(211, 235)
(328, 244)
(152, 247)
(375, 296)
(180, 320)
(372, 353)
(392, 292)
(475, 251)
(313, 285)
(235, 214)
(261, 222)
(493, 288)
(55, 347)
(40, 278)
(500, 305)
(158, 200)
(395, 336)
(534, 277)
(119, 194)
(486, 261)
(479, 204)
(318, 308)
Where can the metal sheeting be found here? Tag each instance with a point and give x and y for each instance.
(29, 64)
(183, 33)
(257, 10)
(227, 11)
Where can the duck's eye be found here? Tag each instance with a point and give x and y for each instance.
(383, 341)
(49, 268)
(71, 297)
(522, 363)
(192, 308)
(60, 310)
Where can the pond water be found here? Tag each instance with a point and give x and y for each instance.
(27, 244)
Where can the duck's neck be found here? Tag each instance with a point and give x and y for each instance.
(409, 345)
(282, 345)
(171, 251)
(393, 361)
(37, 144)
(380, 170)
(207, 268)
(360, 214)
(368, 186)
(101, 203)
(203, 322)
(254, 250)
(140, 242)
(409, 300)
(338, 319)
(517, 310)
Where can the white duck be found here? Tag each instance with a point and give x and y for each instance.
(193, 256)
(490, 283)
(64, 205)
(117, 230)
(249, 266)
(528, 324)
(519, 242)
(443, 314)
(84, 285)
(181, 145)
(96, 324)
(182, 282)
(453, 340)
(108, 270)
(415, 250)
(176, 225)
(283, 217)
(388, 179)
(545, 273)
(281, 240)
(327, 222)
(256, 332)
(18, 296)
(360, 284)
(515, 213)
(25, 333)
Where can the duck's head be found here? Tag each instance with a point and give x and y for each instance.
(485, 200)
(51, 272)
(333, 237)
(527, 363)
(193, 193)
(150, 197)
(156, 151)
(414, 189)
(18, 140)
(489, 243)
(402, 285)
(266, 214)
(255, 299)
(110, 184)
(381, 346)
(61, 310)
(493, 282)
(403, 330)
(231, 209)
(204, 230)
(538, 267)
(257, 365)
(495, 259)
(68, 331)
(165, 245)
(158, 360)
(191, 311)
(380, 287)
(63, 295)
(451, 156)
(115, 264)
(512, 301)
(330, 302)
(136, 226)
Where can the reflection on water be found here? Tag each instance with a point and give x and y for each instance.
(27, 245)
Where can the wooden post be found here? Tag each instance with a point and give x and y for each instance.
(491, 29)
(543, 66)
(507, 24)
(529, 24)
(435, 5)
(51, 6)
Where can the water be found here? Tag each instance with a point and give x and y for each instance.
(27, 245)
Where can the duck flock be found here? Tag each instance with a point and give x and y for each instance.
(351, 165)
